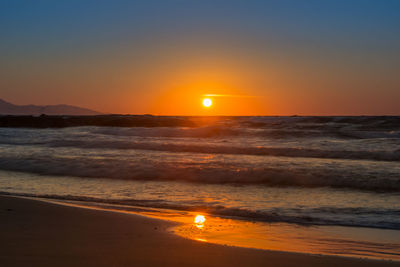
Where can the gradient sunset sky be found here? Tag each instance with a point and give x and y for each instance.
(282, 57)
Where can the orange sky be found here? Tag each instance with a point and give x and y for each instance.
(173, 83)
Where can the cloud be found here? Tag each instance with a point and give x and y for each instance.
(222, 95)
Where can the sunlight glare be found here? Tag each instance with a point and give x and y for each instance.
(199, 219)
(207, 102)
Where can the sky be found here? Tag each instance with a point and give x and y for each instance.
(266, 57)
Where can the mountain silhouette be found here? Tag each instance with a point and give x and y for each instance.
(7, 108)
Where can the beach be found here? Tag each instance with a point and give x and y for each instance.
(37, 233)
(200, 133)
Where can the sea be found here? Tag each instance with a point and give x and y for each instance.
(334, 176)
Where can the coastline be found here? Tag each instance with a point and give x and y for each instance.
(38, 233)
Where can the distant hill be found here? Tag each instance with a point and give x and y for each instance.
(7, 108)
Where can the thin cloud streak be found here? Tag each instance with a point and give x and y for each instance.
(221, 95)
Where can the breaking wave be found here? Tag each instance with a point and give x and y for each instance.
(234, 150)
(273, 131)
(378, 178)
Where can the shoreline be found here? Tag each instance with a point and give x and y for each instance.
(40, 233)
(282, 237)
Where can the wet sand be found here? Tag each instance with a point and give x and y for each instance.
(36, 233)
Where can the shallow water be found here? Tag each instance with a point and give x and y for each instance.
(307, 206)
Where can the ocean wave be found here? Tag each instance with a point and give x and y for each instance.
(198, 132)
(228, 131)
(382, 122)
(328, 216)
(361, 127)
(234, 150)
(280, 174)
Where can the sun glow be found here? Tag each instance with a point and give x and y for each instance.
(207, 102)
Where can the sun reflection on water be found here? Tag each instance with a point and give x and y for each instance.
(199, 221)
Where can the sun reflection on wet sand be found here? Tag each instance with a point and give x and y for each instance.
(328, 240)
(199, 221)
(334, 240)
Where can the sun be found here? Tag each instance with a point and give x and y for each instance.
(207, 102)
